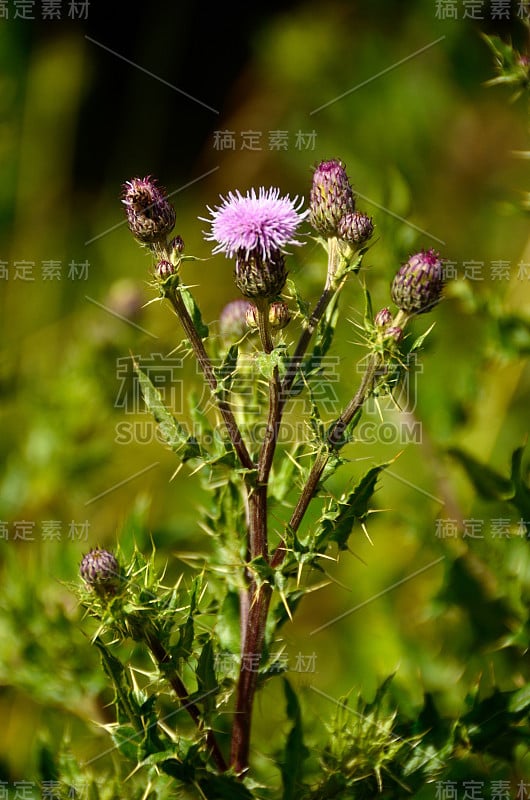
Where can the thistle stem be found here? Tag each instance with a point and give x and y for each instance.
(229, 420)
(167, 666)
(334, 441)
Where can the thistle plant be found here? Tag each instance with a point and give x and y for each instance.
(257, 574)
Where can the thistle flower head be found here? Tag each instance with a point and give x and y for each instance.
(150, 215)
(331, 197)
(417, 286)
(256, 276)
(262, 224)
(100, 570)
(355, 228)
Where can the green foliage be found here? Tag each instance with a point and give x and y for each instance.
(99, 707)
(493, 486)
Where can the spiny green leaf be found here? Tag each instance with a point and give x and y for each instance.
(368, 309)
(295, 751)
(127, 707)
(225, 373)
(282, 477)
(227, 625)
(193, 311)
(302, 305)
(224, 787)
(521, 495)
(172, 432)
(337, 522)
(206, 679)
(488, 483)
(267, 362)
(127, 740)
(418, 343)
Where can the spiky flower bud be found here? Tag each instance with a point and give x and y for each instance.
(150, 215)
(164, 269)
(176, 245)
(233, 319)
(101, 571)
(395, 333)
(417, 287)
(279, 315)
(383, 318)
(355, 228)
(331, 197)
(260, 276)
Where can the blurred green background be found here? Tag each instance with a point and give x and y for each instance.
(436, 158)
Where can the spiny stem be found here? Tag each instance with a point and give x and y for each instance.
(164, 660)
(248, 677)
(331, 288)
(334, 441)
(229, 420)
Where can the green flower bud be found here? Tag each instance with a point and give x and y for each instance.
(331, 197)
(418, 284)
(260, 276)
(100, 570)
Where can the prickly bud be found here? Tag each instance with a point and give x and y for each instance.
(355, 228)
(258, 276)
(279, 315)
(395, 333)
(150, 215)
(176, 245)
(100, 570)
(417, 287)
(383, 318)
(331, 197)
(164, 269)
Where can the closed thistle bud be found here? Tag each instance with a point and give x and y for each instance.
(176, 246)
(100, 570)
(395, 333)
(150, 215)
(164, 269)
(251, 316)
(260, 276)
(279, 315)
(331, 197)
(355, 228)
(383, 318)
(418, 284)
(233, 319)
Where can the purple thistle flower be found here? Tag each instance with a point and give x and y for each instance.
(233, 320)
(263, 222)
